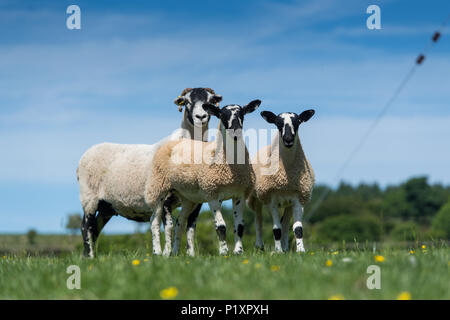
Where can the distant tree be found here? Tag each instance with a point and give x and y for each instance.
(74, 223)
(31, 236)
(441, 222)
(406, 231)
(344, 227)
(415, 199)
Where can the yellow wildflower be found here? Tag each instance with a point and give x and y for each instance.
(136, 262)
(336, 297)
(329, 263)
(379, 258)
(405, 295)
(335, 252)
(258, 265)
(412, 251)
(424, 246)
(169, 293)
(146, 260)
(274, 268)
(245, 261)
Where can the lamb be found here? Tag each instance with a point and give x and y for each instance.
(221, 174)
(113, 177)
(288, 187)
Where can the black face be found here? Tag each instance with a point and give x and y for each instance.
(232, 116)
(193, 99)
(287, 123)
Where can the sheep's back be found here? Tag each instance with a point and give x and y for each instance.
(175, 168)
(117, 173)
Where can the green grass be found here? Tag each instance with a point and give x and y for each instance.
(425, 275)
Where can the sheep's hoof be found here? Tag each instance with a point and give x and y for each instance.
(166, 253)
(88, 254)
(190, 253)
(223, 251)
(277, 251)
(238, 251)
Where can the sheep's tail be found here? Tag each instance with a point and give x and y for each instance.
(78, 173)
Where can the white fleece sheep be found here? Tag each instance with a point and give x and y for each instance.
(113, 178)
(288, 186)
(218, 174)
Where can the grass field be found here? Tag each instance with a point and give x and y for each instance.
(320, 274)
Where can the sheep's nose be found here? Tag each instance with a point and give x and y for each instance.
(201, 117)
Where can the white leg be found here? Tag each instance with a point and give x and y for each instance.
(285, 228)
(186, 208)
(298, 228)
(190, 236)
(276, 226)
(220, 224)
(259, 244)
(155, 226)
(238, 212)
(167, 211)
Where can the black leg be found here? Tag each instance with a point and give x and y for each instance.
(192, 219)
(92, 225)
(105, 213)
(88, 230)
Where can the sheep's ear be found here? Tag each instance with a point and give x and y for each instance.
(212, 109)
(252, 106)
(305, 115)
(215, 99)
(180, 101)
(270, 117)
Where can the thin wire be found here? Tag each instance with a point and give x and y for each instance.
(419, 61)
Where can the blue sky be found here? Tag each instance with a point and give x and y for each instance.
(62, 90)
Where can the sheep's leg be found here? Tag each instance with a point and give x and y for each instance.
(168, 223)
(221, 227)
(155, 226)
(276, 227)
(88, 231)
(88, 227)
(238, 204)
(285, 228)
(298, 228)
(105, 213)
(179, 225)
(259, 244)
(190, 229)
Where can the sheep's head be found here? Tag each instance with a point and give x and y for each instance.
(193, 100)
(232, 116)
(287, 123)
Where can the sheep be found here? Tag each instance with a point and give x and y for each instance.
(221, 174)
(289, 186)
(113, 177)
